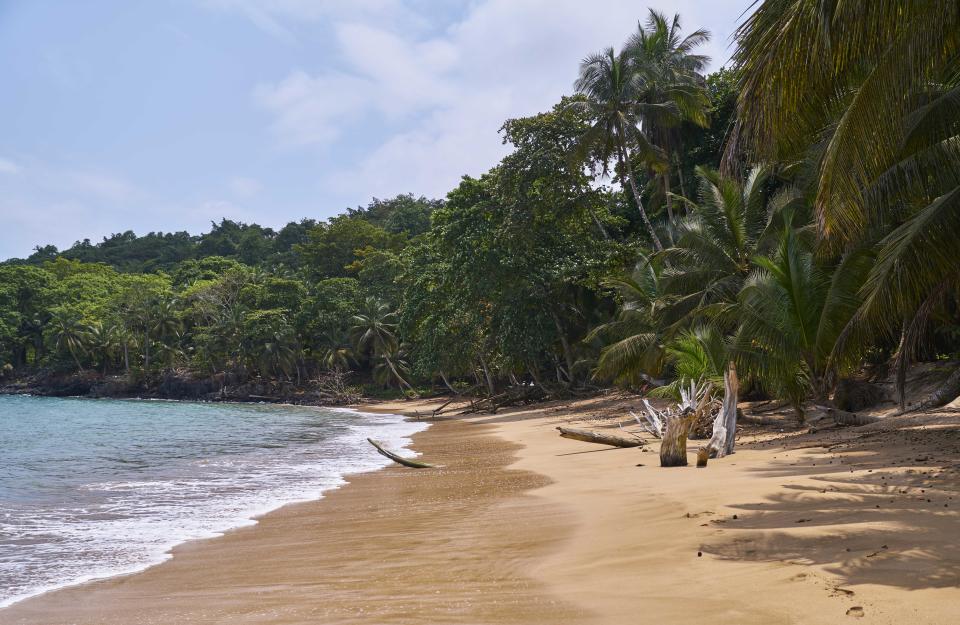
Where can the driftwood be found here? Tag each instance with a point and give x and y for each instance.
(413, 464)
(842, 417)
(725, 425)
(601, 438)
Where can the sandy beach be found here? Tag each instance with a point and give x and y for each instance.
(802, 525)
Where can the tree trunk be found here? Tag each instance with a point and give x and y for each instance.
(945, 393)
(126, 357)
(628, 173)
(596, 220)
(683, 187)
(397, 375)
(601, 438)
(146, 352)
(565, 345)
(536, 379)
(486, 373)
(413, 464)
(901, 383)
(447, 383)
(669, 202)
(77, 360)
(673, 445)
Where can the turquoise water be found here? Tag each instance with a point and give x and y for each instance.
(95, 488)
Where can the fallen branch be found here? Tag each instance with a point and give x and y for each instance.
(601, 438)
(413, 464)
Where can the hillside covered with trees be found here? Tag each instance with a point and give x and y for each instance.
(796, 213)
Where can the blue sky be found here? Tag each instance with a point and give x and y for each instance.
(167, 114)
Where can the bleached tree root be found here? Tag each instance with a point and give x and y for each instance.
(725, 425)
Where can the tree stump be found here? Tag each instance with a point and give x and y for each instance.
(673, 447)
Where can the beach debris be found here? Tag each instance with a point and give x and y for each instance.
(601, 438)
(694, 404)
(842, 417)
(725, 425)
(413, 464)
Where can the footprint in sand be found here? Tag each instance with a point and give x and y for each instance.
(856, 611)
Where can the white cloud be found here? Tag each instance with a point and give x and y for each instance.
(442, 98)
(313, 109)
(9, 167)
(243, 187)
(270, 15)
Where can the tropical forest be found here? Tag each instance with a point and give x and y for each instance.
(795, 213)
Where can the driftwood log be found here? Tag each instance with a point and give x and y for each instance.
(601, 438)
(842, 417)
(413, 464)
(725, 425)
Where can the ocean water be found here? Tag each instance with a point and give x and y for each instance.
(96, 488)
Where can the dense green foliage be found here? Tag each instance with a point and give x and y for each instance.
(826, 242)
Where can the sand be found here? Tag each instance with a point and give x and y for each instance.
(521, 526)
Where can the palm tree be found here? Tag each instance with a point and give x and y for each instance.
(278, 354)
(102, 339)
(336, 352)
(875, 84)
(672, 86)
(612, 86)
(730, 224)
(70, 333)
(387, 363)
(632, 351)
(794, 306)
(699, 355)
(373, 332)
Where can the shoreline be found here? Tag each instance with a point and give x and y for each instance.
(785, 530)
(250, 517)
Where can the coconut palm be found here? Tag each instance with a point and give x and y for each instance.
(102, 340)
(876, 84)
(373, 332)
(793, 307)
(278, 354)
(672, 88)
(698, 354)
(730, 224)
(70, 334)
(336, 352)
(632, 343)
(611, 84)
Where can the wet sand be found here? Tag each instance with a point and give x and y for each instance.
(521, 526)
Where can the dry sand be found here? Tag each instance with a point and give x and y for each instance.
(521, 526)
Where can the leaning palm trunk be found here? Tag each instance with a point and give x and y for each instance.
(945, 393)
(446, 383)
(396, 374)
(669, 201)
(628, 174)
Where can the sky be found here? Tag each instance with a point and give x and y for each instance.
(169, 114)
